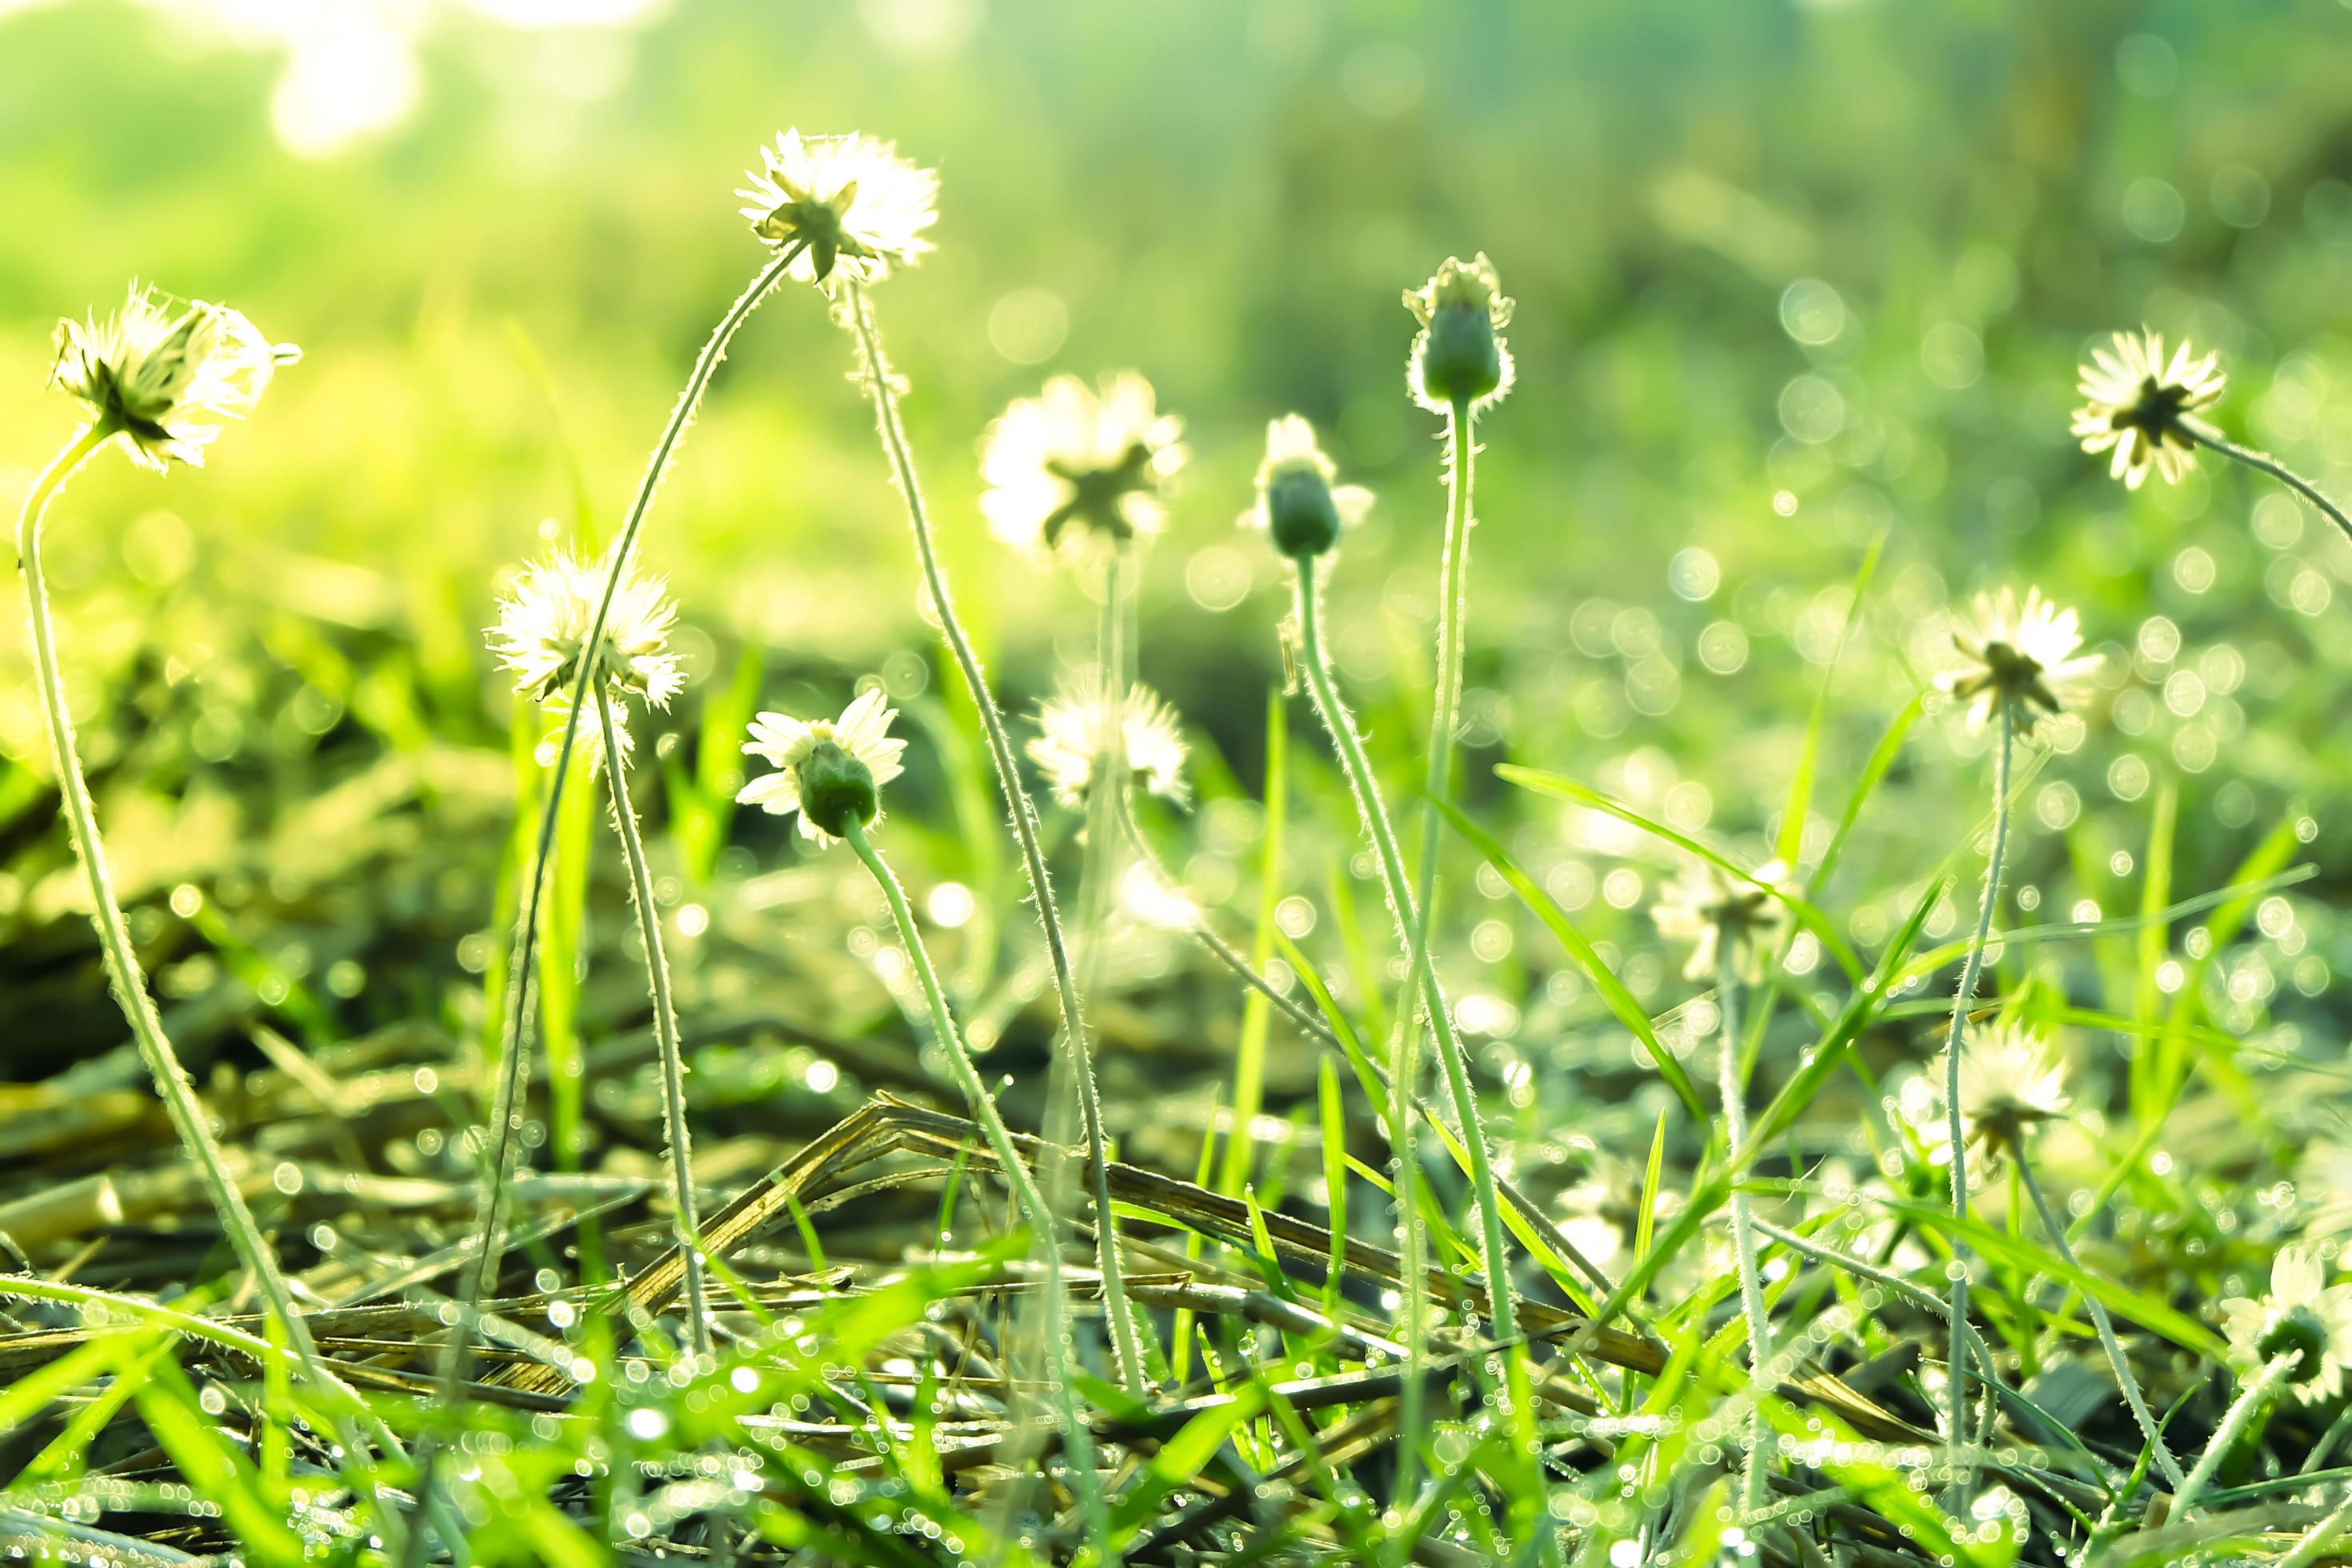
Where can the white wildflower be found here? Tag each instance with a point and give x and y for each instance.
(829, 770)
(1080, 470)
(164, 374)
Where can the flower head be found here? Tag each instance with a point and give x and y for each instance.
(164, 374)
(1718, 913)
(1070, 743)
(2022, 658)
(2140, 405)
(544, 627)
(830, 770)
(2011, 1077)
(2302, 1315)
(1077, 470)
(1459, 352)
(1297, 505)
(849, 201)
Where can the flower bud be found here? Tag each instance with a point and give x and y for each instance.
(1297, 505)
(1459, 355)
(836, 789)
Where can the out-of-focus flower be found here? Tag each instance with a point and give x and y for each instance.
(2010, 1077)
(1297, 505)
(543, 627)
(1719, 914)
(850, 202)
(2020, 657)
(1080, 470)
(163, 375)
(2302, 1315)
(1070, 743)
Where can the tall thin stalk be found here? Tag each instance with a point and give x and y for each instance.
(1405, 911)
(2115, 1359)
(181, 1104)
(1077, 1438)
(509, 1102)
(2263, 463)
(1743, 1228)
(1954, 1133)
(1127, 1347)
(671, 1050)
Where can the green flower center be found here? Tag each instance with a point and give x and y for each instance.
(2156, 413)
(1097, 495)
(836, 789)
(2297, 1332)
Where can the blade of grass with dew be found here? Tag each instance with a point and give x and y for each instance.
(1565, 788)
(562, 964)
(2155, 888)
(214, 1470)
(1874, 773)
(1249, 1057)
(1334, 1113)
(1180, 1355)
(1621, 1001)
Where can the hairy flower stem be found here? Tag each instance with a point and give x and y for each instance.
(1743, 1232)
(2248, 1403)
(1366, 788)
(186, 1111)
(514, 1076)
(1125, 1347)
(1077, 1440)
(1954, 1133)
(2132, 1395)
(2263, 463)
(666, 1035)
(2316, 1542)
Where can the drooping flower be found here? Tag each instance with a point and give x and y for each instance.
(1297, 505)
(1459, 352)
(544, 627)
(830, 770)
(2302, 1315)
(164, 374)
(1070, 744)
(850, 202)
(1717, 913)
(1079, 470)
(2139, 404)
(2010, 1077)
(2020, 657)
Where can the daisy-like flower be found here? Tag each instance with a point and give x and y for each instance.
(164, 374)
(1708, 909)
(849, 201)
(1070, 745)
(2302, 1315)
(544, 627)
(1297, 505)
(1079, 470)
(1459, 352)
(2020, 657)
(2140, 405)
(2010, 1077)
(830, 770)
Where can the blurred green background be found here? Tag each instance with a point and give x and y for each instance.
(1789, 278)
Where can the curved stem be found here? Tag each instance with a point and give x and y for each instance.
(507, 1104)
(1954, 1133)
(2263, 463)
(2132, 1395)
(2256, 1394)
(672, 1050)
(1034, 1213)
(1743, 1230)
(181, 1104)
(1125, 1347)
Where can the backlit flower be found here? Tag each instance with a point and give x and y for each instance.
(1297, 505)
(1079, 470)
(2304, 1316)
(164, 375)
(1717, 914)
(544, 627)
(1070, 742)
(2140, 405)
(2020, 657)
(2010, 1077)
(849, 201)
(1459, 352)
(830, 770)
